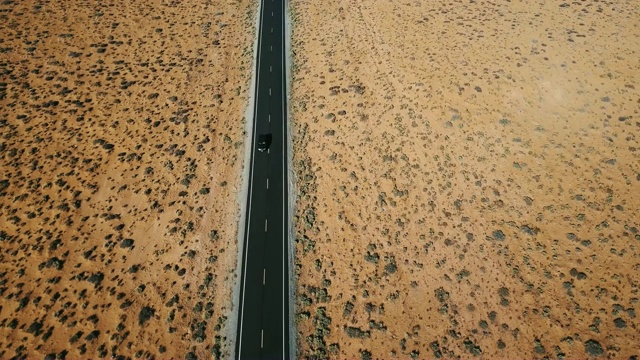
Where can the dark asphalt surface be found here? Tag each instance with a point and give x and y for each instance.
(263, 321)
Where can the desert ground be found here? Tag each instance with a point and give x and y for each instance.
(121, 148)
(468, 176)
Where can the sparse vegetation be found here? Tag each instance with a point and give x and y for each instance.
(593, 348)
(118, 130)
(465, 178)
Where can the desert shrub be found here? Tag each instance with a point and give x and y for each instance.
(145, 314)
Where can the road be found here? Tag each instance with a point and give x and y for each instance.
(263, 321)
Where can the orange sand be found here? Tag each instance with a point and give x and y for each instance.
(469, 176)
(120, 154)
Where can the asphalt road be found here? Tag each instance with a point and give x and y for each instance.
(263, 321)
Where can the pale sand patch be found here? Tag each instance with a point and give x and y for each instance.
(121, 154)
(467, 175)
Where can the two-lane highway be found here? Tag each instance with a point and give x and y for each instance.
(263, 319)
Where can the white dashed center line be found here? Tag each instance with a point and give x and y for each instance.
(264, 272)
(265, 225)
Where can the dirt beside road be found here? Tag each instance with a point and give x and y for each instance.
(468, 176)
(121, 149)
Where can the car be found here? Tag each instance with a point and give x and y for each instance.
(264, 141)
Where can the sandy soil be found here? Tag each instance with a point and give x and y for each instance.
(469, 176)
(122, 139)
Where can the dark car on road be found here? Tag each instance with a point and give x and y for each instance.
(264, 141)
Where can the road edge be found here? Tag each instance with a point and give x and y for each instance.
(291, 188)
(232, 324)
